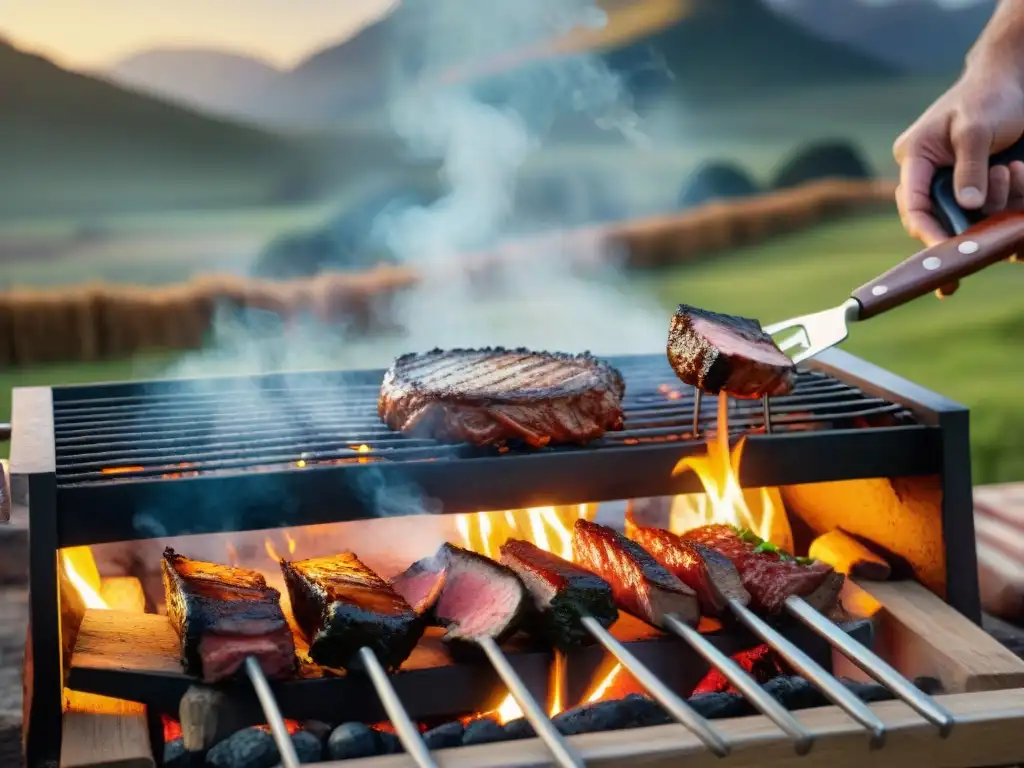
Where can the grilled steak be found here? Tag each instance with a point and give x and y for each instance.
(562, 593)
(770, 576)
(479, 597)
(490, 396)
(708, 573)
(341, 606)
(420, 584)
(724, 353)
(222, 615)
(640, 584)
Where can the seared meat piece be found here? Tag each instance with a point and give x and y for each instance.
(222, 615)
(771, 576)
(479, 597)
(562, 593)
(341, 606)
(708, 573)
(724, 353)
(420, 584)
(489, 396)
(640, 584)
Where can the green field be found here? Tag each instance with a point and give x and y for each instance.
(966, 348)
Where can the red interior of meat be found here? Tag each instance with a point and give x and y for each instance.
(223, 655)
(729, 341)
(477, 602)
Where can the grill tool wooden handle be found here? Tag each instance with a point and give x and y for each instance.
(984, 244)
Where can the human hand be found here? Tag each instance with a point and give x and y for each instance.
(980, 115)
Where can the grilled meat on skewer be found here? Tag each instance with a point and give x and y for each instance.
(489, 396)
(222, 615)
(341, 606)
(724, 353)
(479, 597)
(641, 585)
(768, 575)
(562, 593)
(704, 570)
(420, 584)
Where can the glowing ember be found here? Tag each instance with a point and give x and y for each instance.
(761, 662)
(724, 501)
(172, 728)
(80, 569)
(121, 470)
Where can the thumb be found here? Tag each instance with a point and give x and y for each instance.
(972, 146)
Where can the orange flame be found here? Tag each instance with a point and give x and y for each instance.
(759, 509)
(602, 687)
(80, 569)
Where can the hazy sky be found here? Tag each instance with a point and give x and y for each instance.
(91, 33)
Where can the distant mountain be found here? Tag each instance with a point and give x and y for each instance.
(73, 143)
(215, 81)
(914, 35)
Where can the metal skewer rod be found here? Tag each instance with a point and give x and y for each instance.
(673, 704)
(874, 665)
(806, 666)
(565, 755)
(283, 740)
(767, 406)
(406, 730)
(698, 395)
(765, 703)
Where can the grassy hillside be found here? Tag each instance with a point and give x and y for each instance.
(75, 144)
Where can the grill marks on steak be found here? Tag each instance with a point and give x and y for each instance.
(479, 597)
(641, 585)
(489, 396)
(725, 353)
(342, 606)
(561, 592)
(706, 571)
(769, 578)
(222, 615)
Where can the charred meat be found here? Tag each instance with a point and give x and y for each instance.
(490, 396)
(342, 606)
(641, 585)
(222, 615)
(479, 597)
(769, 575)
(704, 570)
(420, 584)
(562, 593)
(724, 353)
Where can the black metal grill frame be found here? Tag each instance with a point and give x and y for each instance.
(921, 433)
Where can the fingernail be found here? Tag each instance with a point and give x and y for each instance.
(971, 197)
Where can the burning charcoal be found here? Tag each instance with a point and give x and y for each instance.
(519, 728)
(761, 662)
(795, 692)
(308, 747)
(176, 756)
(721, 704)
(868, 692)
(319, 729)
(249, 748)
(444, 736)
(482, 731)
(634, 711)
(351, 740)
(390, 745)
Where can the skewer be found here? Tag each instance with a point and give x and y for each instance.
(871, 663)
(564, 754)
(697, 396)
(767, 406)
(673, 704)
(803, 740)
(406, 730)
(283, 740)
(810, 669)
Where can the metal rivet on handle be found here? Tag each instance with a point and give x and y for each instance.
(967, 247)
(879, 290)
(932, 263)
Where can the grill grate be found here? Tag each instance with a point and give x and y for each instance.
(170, 429)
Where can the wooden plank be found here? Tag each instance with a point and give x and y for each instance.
(32, 448)
(100, 732)
(987, 732)
(925, 637)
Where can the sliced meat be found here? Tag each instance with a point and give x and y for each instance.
(708, 573)
(341, 606)
(420, 584)
(641, 585)
(490, 396)
(222, 615)
(479, 597)
(770, 576)
(562, 593)
(724, 353)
